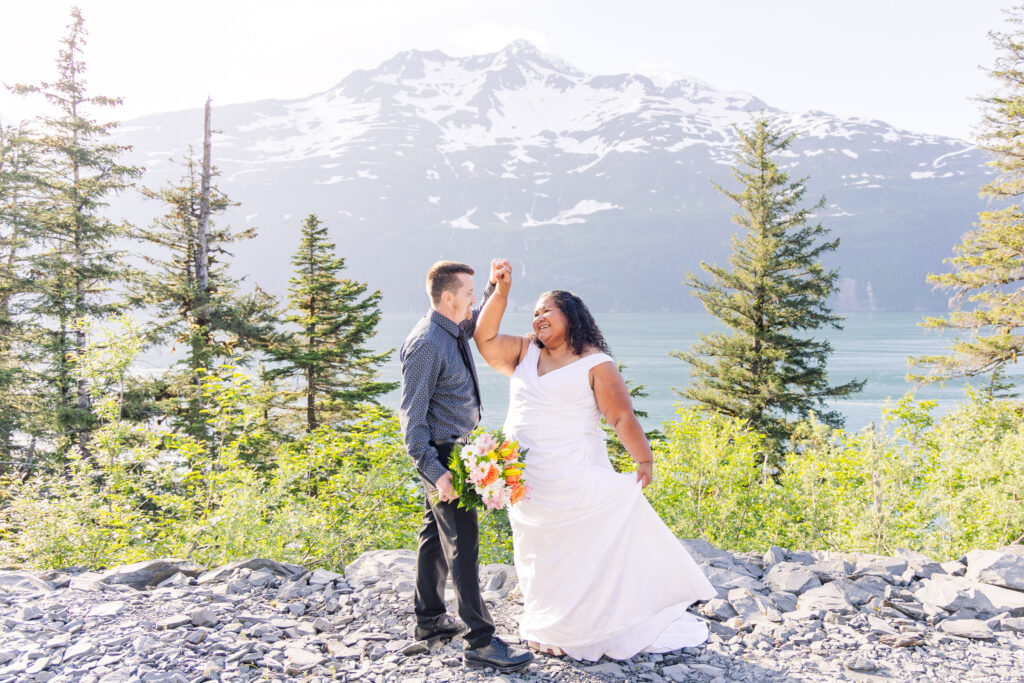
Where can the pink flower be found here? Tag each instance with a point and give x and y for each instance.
(486, 442)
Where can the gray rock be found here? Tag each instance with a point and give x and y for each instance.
(322, 577)
(145, 645)
(29, 613)
(955, 593)
(801, 557)
(717, 608)
(860, 663)
(677, 673)
(725, 580)
(177, 580)
(204, 616)
(954, 567)
(293, 590)
(791, 578)
(606, 669)
(774, 555)
(996, 568)
(107, 609)
(785, 602)
(175, 621)
(150, 572)
(753, 607)
(222, 573)
(827, 598)
(369, 567)
(830, 569)
(301, 660)
(967, 628)
(82, 648)
(880, 626)
(922, 565)
(874, 585)
(88, 581)
(1014, 624)
(701, 549)
(23, 582)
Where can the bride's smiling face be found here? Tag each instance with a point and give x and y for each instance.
(549, 323)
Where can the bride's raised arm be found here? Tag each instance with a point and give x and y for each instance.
(501, 351)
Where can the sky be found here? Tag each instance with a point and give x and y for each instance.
(916, 64)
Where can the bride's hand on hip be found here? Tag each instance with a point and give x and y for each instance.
(645, 473)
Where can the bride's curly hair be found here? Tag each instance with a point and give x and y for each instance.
(581, 331)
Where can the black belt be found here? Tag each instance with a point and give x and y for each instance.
(463, 440)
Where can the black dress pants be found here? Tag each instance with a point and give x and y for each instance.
(449, 541)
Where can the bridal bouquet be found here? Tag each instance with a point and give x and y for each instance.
(487, 473)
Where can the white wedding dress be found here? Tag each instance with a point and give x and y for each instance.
(600, 572)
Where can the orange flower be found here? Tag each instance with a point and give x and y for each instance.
(508, 450)
(517, 493)
(492, 476)
(512, 478)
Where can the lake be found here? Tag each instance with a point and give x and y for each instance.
(874, 346)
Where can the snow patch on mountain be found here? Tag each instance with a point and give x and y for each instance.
(574, 215)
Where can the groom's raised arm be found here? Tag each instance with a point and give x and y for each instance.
(421, 366)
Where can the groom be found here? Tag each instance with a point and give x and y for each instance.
(441, 406)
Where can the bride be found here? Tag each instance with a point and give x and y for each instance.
(600, 572)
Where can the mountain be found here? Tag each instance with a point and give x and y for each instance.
(599, 184)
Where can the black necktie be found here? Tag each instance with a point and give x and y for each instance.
(467, 358)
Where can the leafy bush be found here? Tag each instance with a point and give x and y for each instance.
(939, 487)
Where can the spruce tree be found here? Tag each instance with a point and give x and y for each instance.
(16, 193)
(334, 318)
(210, 324)
(988, 266)
(767, 369)
(75, 265)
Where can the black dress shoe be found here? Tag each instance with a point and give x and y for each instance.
(445, 627)
(498, 655)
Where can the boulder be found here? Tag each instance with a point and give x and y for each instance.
(791, 578)
(830, 569)
(23, 582)
(828, 598)
(785, 602)
(996, 568)
(952, 596)
(372, 566)
(922, 565)
(289, 571)
(150, 572)
(943, 590)
(954, 567)
(752, 607)
(967, 628)
(725, 580)
(717, 608)
(322, 577)
(774, 555)
(702, 550)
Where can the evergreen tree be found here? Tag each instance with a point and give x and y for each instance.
(15, 202)
(211, 323)
(988, 268)
(74, 262)
(767, 368)
(334, 319)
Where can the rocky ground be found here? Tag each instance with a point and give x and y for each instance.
(778, 617)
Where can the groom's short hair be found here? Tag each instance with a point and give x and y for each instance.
(443, 277)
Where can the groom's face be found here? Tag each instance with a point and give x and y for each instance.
(463, 298)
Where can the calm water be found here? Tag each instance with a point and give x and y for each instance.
(874, 346)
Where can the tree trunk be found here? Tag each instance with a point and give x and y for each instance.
(203, 230)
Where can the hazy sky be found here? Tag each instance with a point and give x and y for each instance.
(913, 63)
